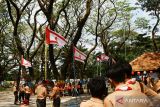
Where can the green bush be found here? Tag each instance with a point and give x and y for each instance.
(2, 88)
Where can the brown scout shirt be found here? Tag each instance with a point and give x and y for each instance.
(136, 86)
(127, 98)
(14, 88)
(157, 85)
(92, 102)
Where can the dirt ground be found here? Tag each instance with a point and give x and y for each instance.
(7, 100)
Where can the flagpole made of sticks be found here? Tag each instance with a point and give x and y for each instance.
(100, 69)
(73, 66)
(97, 67)
(45, 68)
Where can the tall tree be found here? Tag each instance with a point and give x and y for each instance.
(153, 7)
(15, 12)
(81, 18)
(52, 19)
(102, 18)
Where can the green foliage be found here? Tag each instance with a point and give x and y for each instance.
(124, 9)
(121, 44)
(122, 32)
(142, 22)
(2, 88)
(150, 5)
(135, 45)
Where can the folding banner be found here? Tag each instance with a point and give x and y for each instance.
(78, 55)
(54, 38)
(25, 63)
(102, 57)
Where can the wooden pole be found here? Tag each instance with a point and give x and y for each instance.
(45, 68)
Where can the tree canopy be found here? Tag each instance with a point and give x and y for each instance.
(94, 27)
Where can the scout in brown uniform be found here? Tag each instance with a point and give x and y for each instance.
(157, 86)
(21, 92)
(135, 85)
(97, 88)
(41, 92)
(123, 96)
(15, 91)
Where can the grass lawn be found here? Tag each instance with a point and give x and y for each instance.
(2, 89)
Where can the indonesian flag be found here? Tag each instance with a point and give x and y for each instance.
(78, 55)
(102, 57)
(25, 63)
(54, 38)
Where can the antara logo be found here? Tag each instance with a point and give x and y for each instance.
(120, 100)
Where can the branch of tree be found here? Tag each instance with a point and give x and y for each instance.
(10, 13)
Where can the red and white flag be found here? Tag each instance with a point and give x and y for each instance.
(78, 55)
(54, 38)
(102, 57)
(25, 63)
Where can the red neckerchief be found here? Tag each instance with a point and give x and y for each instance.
(123, 88)
(131, 81)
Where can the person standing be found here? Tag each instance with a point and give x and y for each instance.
(55, 95)
(124, 95)
(41, 92)
(97, 89)
(79, 87)
(74, 89)
(69, 88)
(27, 90)
(21, 92)
(157, 85)
(15, 91)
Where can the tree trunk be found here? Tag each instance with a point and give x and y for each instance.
(52, 61)
(80, 24)
(1, 74)
(154, 31)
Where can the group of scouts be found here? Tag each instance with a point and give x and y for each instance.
(22, 94)
(40, 90)
(42, 93)
(44, 89)
(127, 91)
